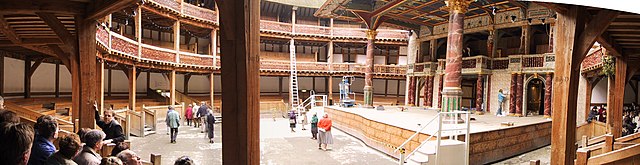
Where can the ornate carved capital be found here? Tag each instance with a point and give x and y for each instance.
(371, 34)
(458, 6)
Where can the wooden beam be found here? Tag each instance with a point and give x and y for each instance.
(27, 77)
(1, 74)
(62, 56)
(240, 39)
(106, 7)
(61, 31)
(607, 42)
(172, 87)
(8, 31)
(66, 7)
(560, 8)
(87, 69)
(187, 77)
(388, 7)
(615, 98)
(35, 66)
(519, 4)
(31, 41)
(57, 90)
(595, 28)
(132, 87)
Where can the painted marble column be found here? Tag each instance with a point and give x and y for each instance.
(488, 93)
(547, 95)
(479, 94)
(428, 93)
(519, 96)
(512, 94)
(412, 91)
(368, 74)
(452, 91)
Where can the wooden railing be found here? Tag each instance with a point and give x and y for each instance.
(312, 30)
(349, 32)
(199, 12)
(392, 34)
(32, 116)
(195, 59)
(159, 54)
(123, 117)
(275, 26)
(123, 45)
(592, 131)
(622, 150)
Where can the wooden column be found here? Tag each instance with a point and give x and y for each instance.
(525, 40)
(57, 90)
(109, 82)
(280, 86)
(240, 28)
(132, 87)
(176, 40)
(87, 72)
(148, 83)
(187, 77)
(212, 90)
(214, 46)
(99, 87)
(2, 75)
(138, 29)
(330, 89)
(27, 77)
(572, 44)
(172, 87)
(615, 98)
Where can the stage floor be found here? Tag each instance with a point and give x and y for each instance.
(409, 119)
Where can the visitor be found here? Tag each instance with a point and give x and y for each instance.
(292, 120)
(82, 132)
(110, 161)
(70, 146)
(16, 140)
(324, 136)
(211, 121)
(593, 114)
(184, 160)
(314, 126)
(8, 116)
(46, 128)
(501, 98)
(202, 113)
(173, 122)
(196, 121)
(304, 119)
(120, 146)
(602, 114)
(129, 157)
(188, 114)
(93, 142)
(111, 127)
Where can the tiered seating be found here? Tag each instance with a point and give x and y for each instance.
(623, 150)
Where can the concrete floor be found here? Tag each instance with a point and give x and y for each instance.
(278, 145)
(543, 154)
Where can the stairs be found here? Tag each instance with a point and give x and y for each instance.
(449, 153)
(295, 101)
(148, 130)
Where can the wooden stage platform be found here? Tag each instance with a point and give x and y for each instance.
(490, 141)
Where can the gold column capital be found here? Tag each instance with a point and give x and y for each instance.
(371, 34)
(458, 6)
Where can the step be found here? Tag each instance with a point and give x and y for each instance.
(148, 129)
(149, 132)
(418, 158)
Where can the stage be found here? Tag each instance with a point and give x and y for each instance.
(490, 140)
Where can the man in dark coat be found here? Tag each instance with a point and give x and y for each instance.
(109, 126)
(203, 111)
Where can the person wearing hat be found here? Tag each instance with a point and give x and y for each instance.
(173, 122)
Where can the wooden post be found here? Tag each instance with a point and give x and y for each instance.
(148, 83)
(138, 29)
(109, 82)
(534, 162)
(583, 156)
(132, 88)
(176, 42)
(156, 159)
(57, 90)
(566, 87)
(214, 46)
(330, 88)
(87, 72)
(608, 143)
(525, 40)
(172, 87)
(587, 100)
(240, 28)
(99, 87)
(187, 77)
(212, 90)
(2, 75)
(615, 98)
(27, 77)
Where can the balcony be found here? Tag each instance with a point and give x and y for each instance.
(483, 65)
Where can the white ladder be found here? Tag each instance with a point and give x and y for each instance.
(294, 76)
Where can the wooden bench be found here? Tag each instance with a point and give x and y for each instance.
(622, 150)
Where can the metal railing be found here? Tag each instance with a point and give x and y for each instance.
(451, 117)
(313, 101)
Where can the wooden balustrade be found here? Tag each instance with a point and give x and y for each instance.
(500, 63)
(158, 54)
(124, 45)
(528, 62)
(199, 12)
(312, 30)
(275, 26)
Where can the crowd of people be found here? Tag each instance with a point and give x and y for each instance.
(24, 144)
(630, 118)
(320, 129)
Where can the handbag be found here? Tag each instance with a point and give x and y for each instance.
(292, 121)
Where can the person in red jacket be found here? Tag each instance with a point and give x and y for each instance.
(324, 132)
(189, 114)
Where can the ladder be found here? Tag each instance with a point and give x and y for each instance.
(294, 76)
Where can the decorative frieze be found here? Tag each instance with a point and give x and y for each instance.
(508, 16)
